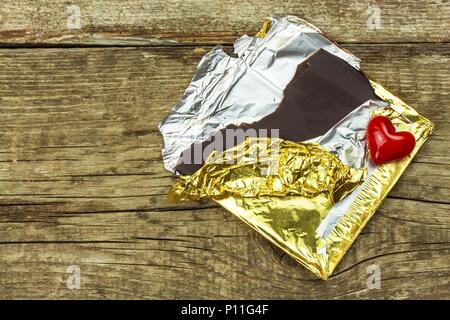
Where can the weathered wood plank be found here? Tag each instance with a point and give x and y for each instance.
(81, 182)
(210, 254)
(81, 121)
(218, 21)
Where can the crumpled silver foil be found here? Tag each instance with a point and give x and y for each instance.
(231, 90)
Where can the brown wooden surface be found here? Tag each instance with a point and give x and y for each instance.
(215, 21)
(81, 177)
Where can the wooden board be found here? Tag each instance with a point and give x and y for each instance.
(82, 183)
(210, 22)
(81, 175)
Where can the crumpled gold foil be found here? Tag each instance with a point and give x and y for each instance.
(264, 29)
(270, 167)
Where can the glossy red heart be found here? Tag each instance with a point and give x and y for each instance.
(384, 143)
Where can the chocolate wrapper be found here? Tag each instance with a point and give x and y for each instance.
(309, 198)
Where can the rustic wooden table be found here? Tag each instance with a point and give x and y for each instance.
(83, 85)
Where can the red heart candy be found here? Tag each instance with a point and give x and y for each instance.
(384, 143)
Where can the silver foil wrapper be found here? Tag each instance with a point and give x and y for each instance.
(232, 90)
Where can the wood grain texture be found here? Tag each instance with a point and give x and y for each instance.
(211, 22)
(82, 183)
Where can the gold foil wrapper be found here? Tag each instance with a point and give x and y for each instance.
(289, 207)
(264, 29)
(270, 167)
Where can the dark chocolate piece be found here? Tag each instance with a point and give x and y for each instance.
(323, 90)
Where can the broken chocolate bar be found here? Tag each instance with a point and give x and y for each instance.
(323, 90)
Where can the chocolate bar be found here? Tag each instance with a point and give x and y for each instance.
(323, 90)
